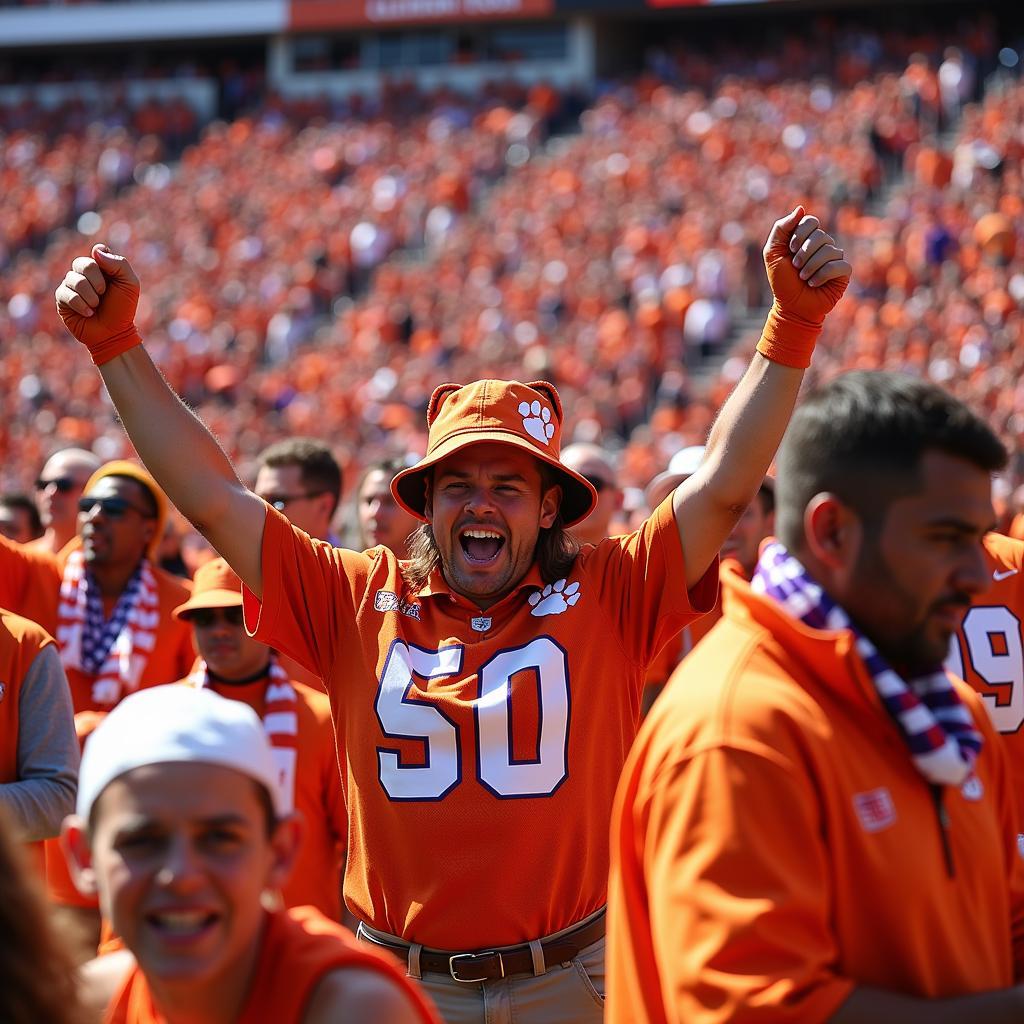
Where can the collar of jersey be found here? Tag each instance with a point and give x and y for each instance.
(437, 586)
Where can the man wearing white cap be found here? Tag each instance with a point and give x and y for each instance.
(181, 824)
(487, 690)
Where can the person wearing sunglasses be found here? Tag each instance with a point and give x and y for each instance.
(301, 478)
(109, 608)
(297, 720)
(58, 488)
(594, 463)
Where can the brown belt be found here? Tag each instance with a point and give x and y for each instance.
(486, 965)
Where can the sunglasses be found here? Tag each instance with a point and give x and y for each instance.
(63, 484)
(204, 618)
(597, 482)
(281, 501)
(112, 508)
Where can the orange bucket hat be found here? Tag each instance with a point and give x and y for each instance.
(215, 586)
(523, 416)
(131, 470)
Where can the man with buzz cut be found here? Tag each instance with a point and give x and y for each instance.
(181, 824)
(817, 823)
(487, 690)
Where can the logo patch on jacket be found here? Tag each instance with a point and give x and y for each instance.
(875, 809)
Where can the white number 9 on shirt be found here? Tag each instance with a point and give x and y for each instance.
(982, 629)
(402, 716)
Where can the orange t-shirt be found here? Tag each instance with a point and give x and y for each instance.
(473, 738)
(316, 876)
(988, 651)
(774, 845)
(298, 949)
(30, 585)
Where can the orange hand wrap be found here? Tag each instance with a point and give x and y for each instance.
(111, 330)
(110, 348)
(798, 312)
(788, 339)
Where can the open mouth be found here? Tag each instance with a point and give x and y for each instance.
(182, 925)
(481, 546)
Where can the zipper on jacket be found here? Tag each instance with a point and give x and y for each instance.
(942, 816)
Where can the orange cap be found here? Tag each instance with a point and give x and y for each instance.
(523, 416)
(122, 467)
(215, 586)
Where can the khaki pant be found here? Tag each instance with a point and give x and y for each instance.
(569, 993)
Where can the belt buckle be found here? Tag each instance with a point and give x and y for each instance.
(470, 958)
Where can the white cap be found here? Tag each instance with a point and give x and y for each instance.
(168, 724)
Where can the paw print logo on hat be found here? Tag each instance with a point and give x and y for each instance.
(537, 421)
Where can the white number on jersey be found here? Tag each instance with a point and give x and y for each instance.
(403, 717)
(985, 630)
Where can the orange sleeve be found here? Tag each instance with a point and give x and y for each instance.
(640, 579)
(311, 591)
(29, 583)
(740, 929)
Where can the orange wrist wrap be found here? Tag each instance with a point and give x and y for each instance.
(788, 339)
(110, 348)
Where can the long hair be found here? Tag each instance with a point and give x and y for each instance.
(554, 554)
(37, 974)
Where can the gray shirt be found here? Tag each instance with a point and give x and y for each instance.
(47, 762)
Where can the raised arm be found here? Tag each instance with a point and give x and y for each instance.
(97, 301)
(808, 275)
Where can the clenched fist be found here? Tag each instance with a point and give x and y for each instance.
(807, 271)
(97, 301)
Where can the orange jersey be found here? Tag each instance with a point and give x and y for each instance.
(316, 876)
(774, 845)
(988, 651)
(482, 748)
(299, 947)
(680, 646)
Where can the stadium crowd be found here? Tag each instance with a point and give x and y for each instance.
(312, 268)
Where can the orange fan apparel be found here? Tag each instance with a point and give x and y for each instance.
(768, 796)
(988, 652)
(30, 584)
(300, 729)
(463, 727)
(298, 949)
(21, 640)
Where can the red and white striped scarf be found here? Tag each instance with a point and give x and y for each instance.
(128, 650)
(280, 718)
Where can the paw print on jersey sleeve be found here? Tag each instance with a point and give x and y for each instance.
(537, 420)
(554, 599)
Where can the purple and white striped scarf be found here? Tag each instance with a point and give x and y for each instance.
(935, 724)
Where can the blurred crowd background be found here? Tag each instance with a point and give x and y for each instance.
(317, 266)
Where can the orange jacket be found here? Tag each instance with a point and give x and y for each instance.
(774, 846)
(299, 947)
(21, 640)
